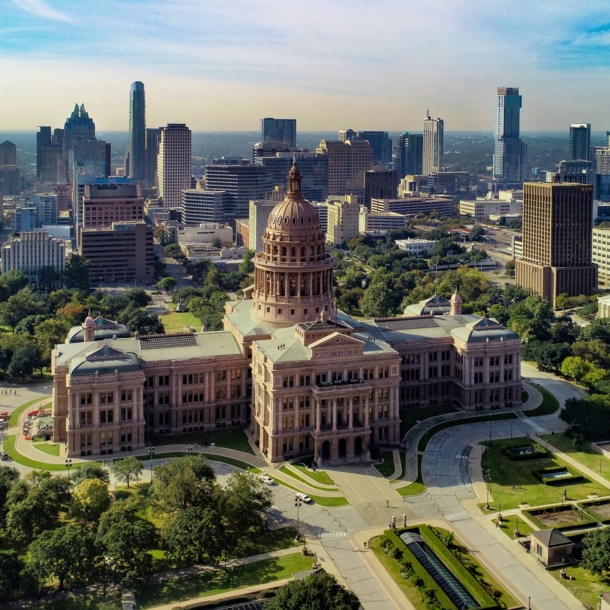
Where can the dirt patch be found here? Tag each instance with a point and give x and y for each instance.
(603, 510)
(562, 517)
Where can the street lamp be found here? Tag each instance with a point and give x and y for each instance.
(298, 502)
(487, 487)
(68, 466)
(189, 450)
(151, 453)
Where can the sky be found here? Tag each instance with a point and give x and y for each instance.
(222, 65)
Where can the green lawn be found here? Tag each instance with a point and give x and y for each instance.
(48, 448)
(112, 601)
(411, 415)
(586, 456)
(386, 469)
(321, 500)
(210, 456)
(548, 406)
(320, 476)
(425, 439)
(219, 581)
(232, 438)
(177, 322)
(417, 487)
(13, 419)
(585, 587)
(271, 540)
(528, 488)
(510, 523)
(294, 475)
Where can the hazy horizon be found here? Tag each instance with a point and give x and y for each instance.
(330, 64)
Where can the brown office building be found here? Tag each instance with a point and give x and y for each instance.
(104, 204)
(123, 252)
(557, 240)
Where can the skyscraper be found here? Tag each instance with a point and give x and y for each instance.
(279, 130)
(8, 153)
(137, 132)
(433, 145)
(153, 139)
(347, 162)
(379, 141)
(408, 154)
(580, 141)
(49, 155)
(79, 126)
(557, 240)
(174, 163)
(510, 152)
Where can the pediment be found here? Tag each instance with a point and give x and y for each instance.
(336, 340)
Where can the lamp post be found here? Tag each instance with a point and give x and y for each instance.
(68, 466)
(151, 453)
(487, 487)
(298, 502)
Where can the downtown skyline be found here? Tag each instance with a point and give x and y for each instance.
(221, 68)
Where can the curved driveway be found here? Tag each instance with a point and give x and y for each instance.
(446, 474)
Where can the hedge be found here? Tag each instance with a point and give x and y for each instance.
(590, 510)
(572, 476)
(467, 579)
(419, 570)
(540, 453)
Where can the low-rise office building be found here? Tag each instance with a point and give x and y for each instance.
(485, 208)
(123, 252)
(369, 222)
(412, 206)
(419, 247)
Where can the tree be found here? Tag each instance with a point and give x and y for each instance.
(24, 361)
(90, 470)
(47, 276)
(319, 591)
(196, 535)
(476, 233)
(590, 416)
(76, 273)
(90, 499)
(377, 301)
(50, 333)
(596, 553)
(509, 268)
(137, 320)
(183, 482)
(217, 242)
(14, 280)
(138, 296)
(8, 477)
(68, 553)
(128, 469)
(246, 499)
(10, 573)
(20, 306)
(167, 283)
(174, 251)
(127, 544)
(575, 368)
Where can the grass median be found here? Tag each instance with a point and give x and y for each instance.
(425, 439)
(548, 406)
(417, 487)
(319, 476)
(295, 476)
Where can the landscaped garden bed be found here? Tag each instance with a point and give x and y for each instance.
(559, 475)
(525, 451)
(558, 516)
(598, 509)
(418, 583)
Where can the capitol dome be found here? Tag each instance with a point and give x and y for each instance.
(293, 273)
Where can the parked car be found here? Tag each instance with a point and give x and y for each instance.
(303, 497)
(265, 479)
(3, 456)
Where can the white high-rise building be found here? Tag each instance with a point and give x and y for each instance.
(32, 251)
(433, 145)
(174, 164)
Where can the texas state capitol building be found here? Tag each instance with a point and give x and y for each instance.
(307, 379)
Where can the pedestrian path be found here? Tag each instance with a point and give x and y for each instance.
(333, 535)
(397, 465)
(457, 516)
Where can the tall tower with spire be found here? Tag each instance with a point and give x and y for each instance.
(137, 132)
(79, 126)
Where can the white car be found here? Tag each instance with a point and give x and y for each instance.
(304, 498)
(265, 479)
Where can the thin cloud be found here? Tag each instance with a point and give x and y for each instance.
(43, 10)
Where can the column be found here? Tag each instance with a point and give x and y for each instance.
(318, 417)
(351, 414)
(296, 413)
(334, 402)
(366, 412)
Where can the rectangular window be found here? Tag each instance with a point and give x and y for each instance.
(478, 378)
(164, 381)
(150, 382)
(235, 373)
(86, 399)
(433, 356)
(508, 375)
(508, 359)
(304, 380)
(221, 375)
(126, 395)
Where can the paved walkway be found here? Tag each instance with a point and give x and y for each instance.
(397, 465)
